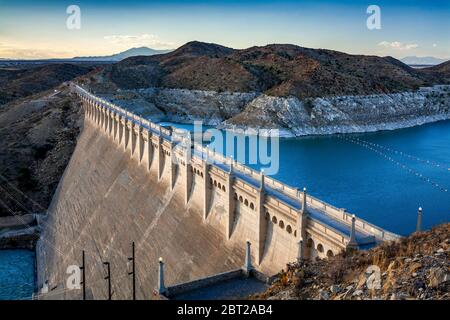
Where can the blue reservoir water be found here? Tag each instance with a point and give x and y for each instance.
(382, 177)
(374, 180)
(16, 274)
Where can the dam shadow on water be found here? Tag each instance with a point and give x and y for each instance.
(383, 177)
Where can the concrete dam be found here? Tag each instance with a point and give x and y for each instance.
(131, 180)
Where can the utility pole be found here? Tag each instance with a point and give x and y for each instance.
(108, 277)
(83, 268)
(133, 270)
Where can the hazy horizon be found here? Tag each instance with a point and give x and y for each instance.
(169, 50)
(39, 31)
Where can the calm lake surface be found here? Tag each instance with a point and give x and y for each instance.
(16, 274)
(366, 183)
(381, 177)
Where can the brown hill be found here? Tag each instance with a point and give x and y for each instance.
(440, 72)
(37, 137)
(277, 69)
(19, 82)
(38, 130)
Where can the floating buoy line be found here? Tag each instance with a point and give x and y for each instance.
(429, 162)
(378, 149)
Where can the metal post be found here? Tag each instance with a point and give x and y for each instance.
(133, 270)
(352, 243)
(108, 277)
(161, 287)
(83, 268)
(419, 220)
(304, 201)
(301, 254)
(261, 188)
(248, 259)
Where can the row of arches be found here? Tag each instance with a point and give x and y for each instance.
(310, 242)
(166, 152)
(281, 224)
(320, 248)
(197, 172)
(244, 201)
(217, 184)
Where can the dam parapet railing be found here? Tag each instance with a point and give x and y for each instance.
(286, 200)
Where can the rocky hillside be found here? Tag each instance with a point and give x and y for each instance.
(22, 81)
(345, 114)
(298, 90)
(417, 267)
(38, 135)
(441, 72)
(277, 70)
(38, 129)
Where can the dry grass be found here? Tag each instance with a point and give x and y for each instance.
(404, 265)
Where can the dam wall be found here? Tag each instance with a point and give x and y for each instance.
(130, 180)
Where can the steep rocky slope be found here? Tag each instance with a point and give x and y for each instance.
(298, 90)
(37, 137)
(278, 70)
(417, 267)
(345, 114)
(21, 81)
(39, 123)
(291, 115)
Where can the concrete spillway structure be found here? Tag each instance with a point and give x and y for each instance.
(131, 180)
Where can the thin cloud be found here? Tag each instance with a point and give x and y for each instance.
(149, 40)
(398, 45)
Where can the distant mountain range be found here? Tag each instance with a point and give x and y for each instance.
(141, 51)
(413, 60)
(133, 52)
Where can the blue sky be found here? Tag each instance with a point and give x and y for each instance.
(37, 29)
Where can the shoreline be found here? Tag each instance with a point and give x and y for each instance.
(286, 133)
(293, 117)
(19, 232)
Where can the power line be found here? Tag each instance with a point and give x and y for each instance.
(47, 225)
